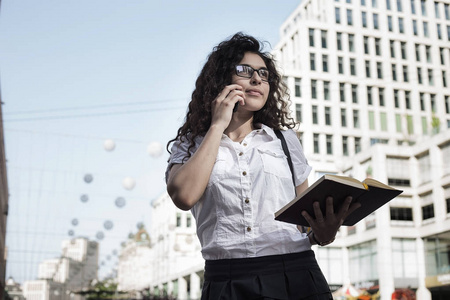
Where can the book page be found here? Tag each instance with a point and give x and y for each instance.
(346, 180)
(376, 183)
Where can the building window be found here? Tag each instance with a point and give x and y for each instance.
(430, 77)
(363, 262)
(437, 253)
(313, 89)
(298, 87)
(439, 31)
(367, 68)
(403, 253)
(444, 79)
(392, 47)
(396, 99)
(325, 63)
(447, 11)
(401, 26)
(345, 145)
(357, 144)
(316, 142)
(399, 5)
(419, 75)
(311, 37)
(329, 139)
(354, 93)
(415, 30)
(381, 96)
(364, 19)
(326, 90)
(425, 29)
(366, 45)
(312, 61)
(339, 40)
(445, 154)
(353, 66)
(424, 163)
(178, 219)
(397, 170)
(394, 72)
(447, 105)
(405, 74)
(314, 114)
(369, 95)
(417, 47)
(383, 121)
(371, 120)
(390, 28)
(379, 70)
(422, 101)
(408, 99)
(349, 17)
(398, 123)
(351, 42)
(188, 221)
(388, 4)
(428, 211)
(376, 24)
(327, 115)
(428, 53)
(323, 34)
(356, 118)
(374, 4)
(342, 92)
(343, 117)
(413, 7)
(298, 112)
(441, 55)
(403, 49)
(341, 65)
(378, 46)
(331, 263)
(436, 10)
(337, 15)
(423, 7)
(401, 214)
(433, 102)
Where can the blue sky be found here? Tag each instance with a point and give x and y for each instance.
(75, 73)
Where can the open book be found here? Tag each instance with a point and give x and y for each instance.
(371, 193)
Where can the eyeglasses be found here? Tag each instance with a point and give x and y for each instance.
(247, 72)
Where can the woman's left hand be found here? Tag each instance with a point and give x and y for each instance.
(325, 227)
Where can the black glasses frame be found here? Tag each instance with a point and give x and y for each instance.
(252, 72)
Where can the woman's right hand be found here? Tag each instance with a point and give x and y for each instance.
(222, 106)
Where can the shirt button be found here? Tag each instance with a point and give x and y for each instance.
(247, 200)
(244, 173)
(245, 144)
(249, 228)
(241, 153)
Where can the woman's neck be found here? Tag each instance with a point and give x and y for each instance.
(239, 128)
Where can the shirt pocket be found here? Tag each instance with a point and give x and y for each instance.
(275, 162)
(221, 167)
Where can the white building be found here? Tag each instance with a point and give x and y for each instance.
(135, 263)
(61, 278)
(177, 264)
(366, 72)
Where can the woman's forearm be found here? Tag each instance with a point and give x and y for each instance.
(187, 182)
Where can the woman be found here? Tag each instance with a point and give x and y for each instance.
(228, 167)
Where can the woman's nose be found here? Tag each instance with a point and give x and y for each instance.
(256, 79)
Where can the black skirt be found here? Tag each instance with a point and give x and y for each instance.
(289, 276)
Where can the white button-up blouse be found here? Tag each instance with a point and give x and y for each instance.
(249, 182)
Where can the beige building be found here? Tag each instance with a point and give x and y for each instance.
(134, 272)
(63, 277)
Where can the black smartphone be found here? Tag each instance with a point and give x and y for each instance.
(235, 106)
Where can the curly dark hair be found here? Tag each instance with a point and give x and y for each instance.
(216, 74)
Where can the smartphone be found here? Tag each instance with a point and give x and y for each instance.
(235, 106)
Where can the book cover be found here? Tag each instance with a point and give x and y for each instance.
(371, 194)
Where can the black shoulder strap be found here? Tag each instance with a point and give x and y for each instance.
(287, 153)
